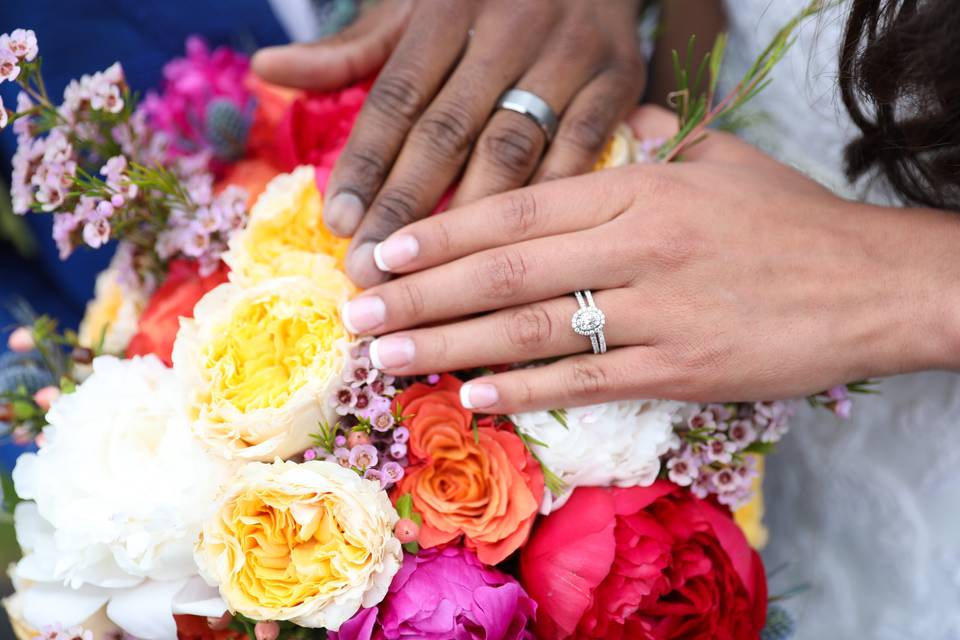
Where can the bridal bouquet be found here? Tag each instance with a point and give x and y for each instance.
(218, 458)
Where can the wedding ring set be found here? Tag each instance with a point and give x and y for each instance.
(589, 320)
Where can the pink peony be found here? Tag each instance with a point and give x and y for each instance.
(644, 563)
(444, 593)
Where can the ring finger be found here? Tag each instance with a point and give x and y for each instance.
(527, 332)
(510, 147)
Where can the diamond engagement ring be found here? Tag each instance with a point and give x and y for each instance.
(531, 105)
(589, 321)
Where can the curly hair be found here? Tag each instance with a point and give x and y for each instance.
(900, 81)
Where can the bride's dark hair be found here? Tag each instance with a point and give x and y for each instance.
(900, 81)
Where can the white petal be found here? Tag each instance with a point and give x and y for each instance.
(45, 605)
(146, 611)
(198, 598)
(25, 476)
(30, 525)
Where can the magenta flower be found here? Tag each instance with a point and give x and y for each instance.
(443, 593)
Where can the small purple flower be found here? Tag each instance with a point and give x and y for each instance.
(340, 441)
(682, 471)
(310, 454)
(344, 399)
(401, 435)
(363, 456)
(720, 450)
(702, 420)
(433, 378)
(838, 393)
(374, 405)
(358, 372)
(374, 474)
(843, 408)
(742, 433)
(398, 450)
(382, 421)
(392, 473)
(343, 456)
(726, 480)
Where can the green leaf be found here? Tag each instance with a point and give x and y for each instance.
(405, 506)
(476, 430)
(412, 547)
(560, 415)
(761, 448)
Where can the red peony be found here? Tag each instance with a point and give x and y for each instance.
(196, 628)
(644, 563)
(315, 129)
(174, 299)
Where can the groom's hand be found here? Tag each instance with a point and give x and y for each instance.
(431, 116)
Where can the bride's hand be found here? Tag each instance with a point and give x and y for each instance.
(432, 112)
(731, 277)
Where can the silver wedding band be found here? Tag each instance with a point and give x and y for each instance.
(589, 320)
(532, 106)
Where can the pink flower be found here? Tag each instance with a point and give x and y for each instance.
(96, 233)
(445, 593)
(644, 563)
(21, 340)
(9, 69)
(22, 43)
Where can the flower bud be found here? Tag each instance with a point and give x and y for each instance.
(407, 530)
(82, 355)
(46, 397)
(221, 623)
(357, 438)
(267, 630)
(21, 340)
(6, 412)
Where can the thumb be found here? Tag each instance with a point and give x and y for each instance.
(344, 58)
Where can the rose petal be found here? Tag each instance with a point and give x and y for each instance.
(146, 611)
(47, 605)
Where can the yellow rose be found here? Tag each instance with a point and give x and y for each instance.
(285, 235)
(619, 150)
(750, 515)
(310, 543)
(258, 363)
(113, 313)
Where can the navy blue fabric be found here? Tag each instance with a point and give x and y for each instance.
(83, 36)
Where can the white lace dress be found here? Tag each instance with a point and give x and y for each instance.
(865, 512)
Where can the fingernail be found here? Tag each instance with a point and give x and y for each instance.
(393, 352)
(343, 213)
(362, 268)
(395, 252)
(478, 395)
(362, 315)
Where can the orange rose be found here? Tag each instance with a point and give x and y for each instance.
(486, 489)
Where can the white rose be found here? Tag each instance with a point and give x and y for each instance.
(120, 490)
(330, 531)
(616, 443)
(260, 362)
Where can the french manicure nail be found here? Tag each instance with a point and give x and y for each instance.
(362, 315)
(478, 395)
(395, 252)
(393, 352)
(343, 213)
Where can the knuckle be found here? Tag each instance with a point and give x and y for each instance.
(515, 147)
(501, 275)
(396, 94)
(412, 297)
(446, 130)
(519, 213)
(587, 379)
(530, 328)
(587, 131)
(395, 207)
(366, 170)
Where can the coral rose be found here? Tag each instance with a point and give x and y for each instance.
(174, 299)
(307, 543)
(644, 563)
(285, 235)
(259, 363)
(485, 488)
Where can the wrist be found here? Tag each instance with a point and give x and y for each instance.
(926, 243)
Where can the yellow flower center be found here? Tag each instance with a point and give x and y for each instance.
(294, 548)
(297, 228)
(269, 348)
